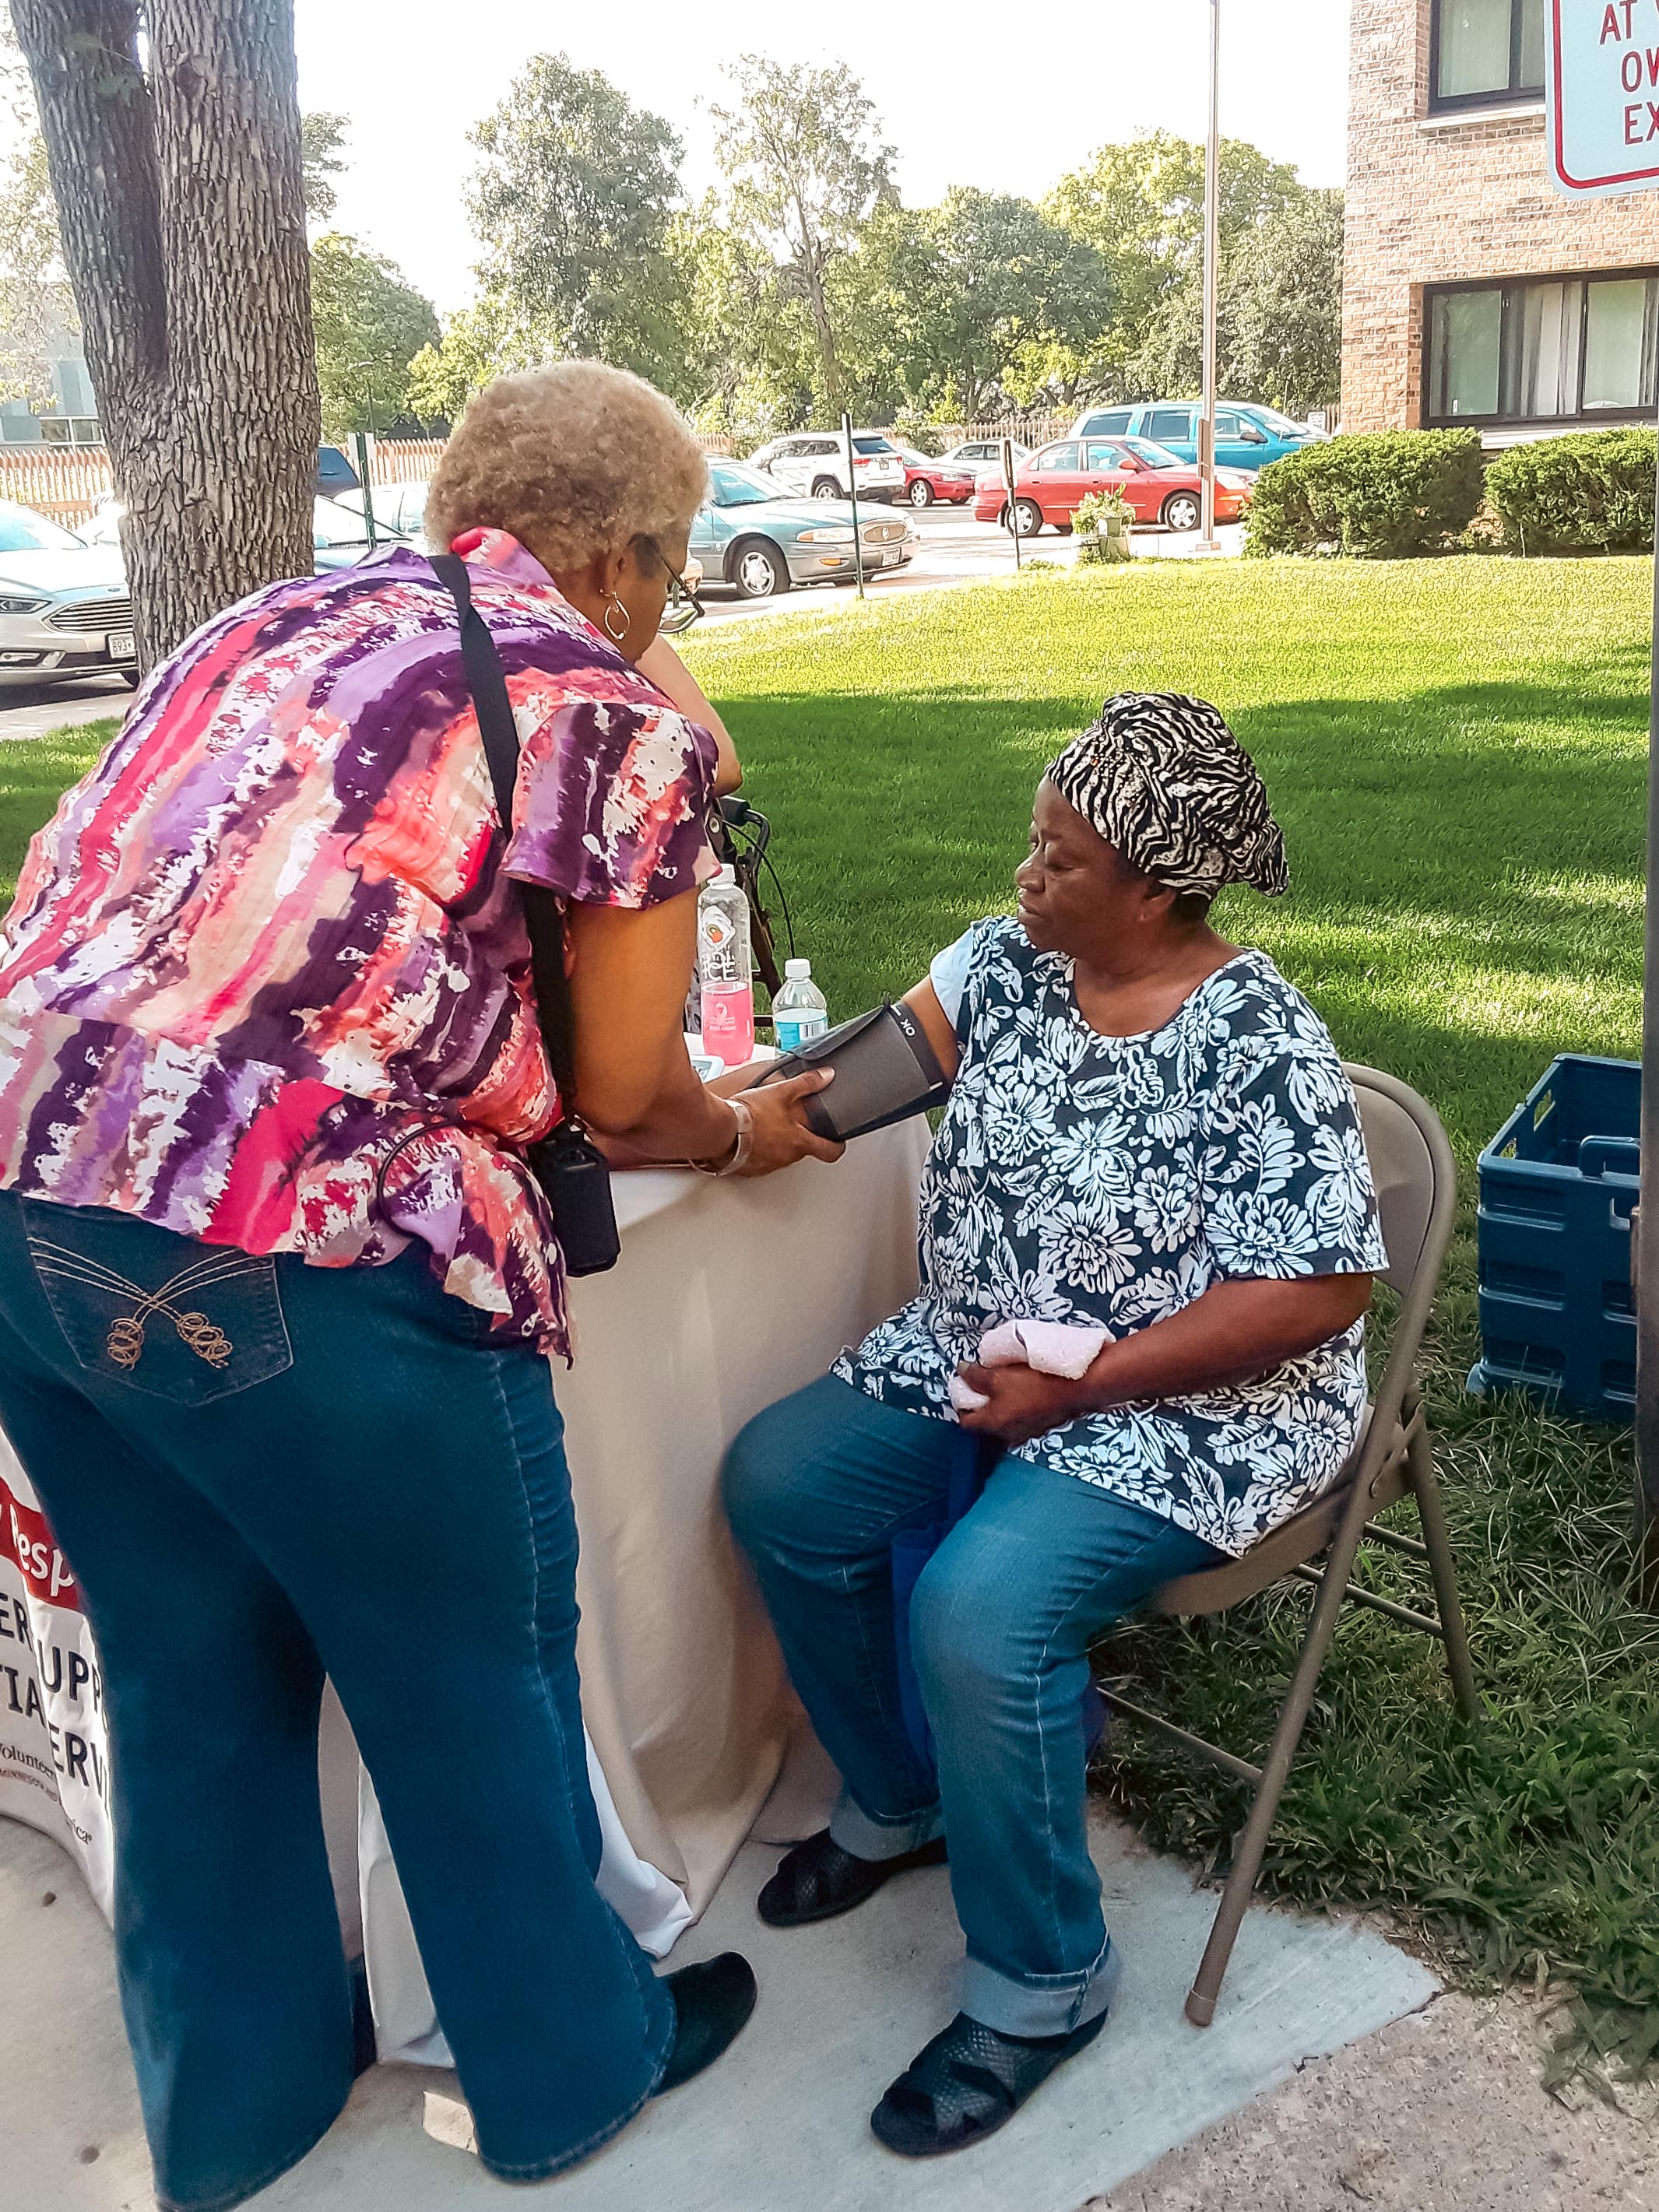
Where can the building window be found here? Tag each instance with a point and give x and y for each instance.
(1548, 349)
(1486, 53)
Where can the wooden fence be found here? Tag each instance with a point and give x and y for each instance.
(67, 482)
(398, 460)
(1023, 429)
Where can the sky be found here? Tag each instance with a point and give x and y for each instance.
(963, 102)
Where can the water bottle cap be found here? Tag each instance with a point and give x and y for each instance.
(794, 967)
(726, 877)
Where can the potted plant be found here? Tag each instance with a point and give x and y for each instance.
(1101, 521)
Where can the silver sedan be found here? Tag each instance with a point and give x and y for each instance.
(64, 608)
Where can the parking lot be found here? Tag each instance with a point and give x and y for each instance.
(957, 549)
(954, 550)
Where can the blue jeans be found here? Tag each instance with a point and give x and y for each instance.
(260, 1472)
(1000, 1625)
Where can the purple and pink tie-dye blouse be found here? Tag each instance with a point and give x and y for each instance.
(271, 934)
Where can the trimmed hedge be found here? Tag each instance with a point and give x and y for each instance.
(1385, 495)
(1591, 491)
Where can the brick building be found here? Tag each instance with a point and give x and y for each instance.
(1472, 291)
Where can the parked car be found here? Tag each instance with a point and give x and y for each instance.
(1246, 436)
(815, 461)
(399, 507)
(334, 473)
(400, 512)
(338, 537)
(980, 453)
(749, 537)
(927, 480)
(1158, 487)
(64, 608)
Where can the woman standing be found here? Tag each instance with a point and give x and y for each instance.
(1150, 1140)
(278, 1293)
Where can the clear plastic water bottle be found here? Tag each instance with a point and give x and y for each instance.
(725, 977)
(798, 1012)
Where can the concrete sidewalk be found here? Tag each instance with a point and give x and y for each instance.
(781, 2124)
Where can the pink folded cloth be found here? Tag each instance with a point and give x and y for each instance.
(1052, 1347)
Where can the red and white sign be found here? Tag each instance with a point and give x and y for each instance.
(1602, 96)
(54, 1744)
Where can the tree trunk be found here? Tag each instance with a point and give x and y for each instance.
(177, 184)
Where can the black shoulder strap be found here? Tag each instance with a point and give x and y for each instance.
(544, 917)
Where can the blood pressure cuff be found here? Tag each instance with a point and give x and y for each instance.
(886, 1071)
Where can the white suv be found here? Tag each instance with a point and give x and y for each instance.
(815, 461)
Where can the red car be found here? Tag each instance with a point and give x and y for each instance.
(1158, 487)
(927, 480)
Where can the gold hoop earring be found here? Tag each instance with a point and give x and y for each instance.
(614, 634)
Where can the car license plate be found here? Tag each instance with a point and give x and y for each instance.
(120, 644)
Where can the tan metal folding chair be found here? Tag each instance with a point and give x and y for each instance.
(1416, 1190)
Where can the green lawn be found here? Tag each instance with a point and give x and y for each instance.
(1456, 749)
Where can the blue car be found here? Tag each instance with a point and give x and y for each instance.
(747, 537)
(1246, 436)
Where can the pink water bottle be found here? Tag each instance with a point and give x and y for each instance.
(725, 979)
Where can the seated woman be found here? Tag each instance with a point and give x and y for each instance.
(1149, 1132)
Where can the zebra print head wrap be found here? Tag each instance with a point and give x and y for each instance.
(1169, 785)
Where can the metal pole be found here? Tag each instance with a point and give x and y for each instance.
(1212, 255)
(368, 490)
(1645, 1246)
(853, 494)
(1009, 473)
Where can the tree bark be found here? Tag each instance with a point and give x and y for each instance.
(178, 182)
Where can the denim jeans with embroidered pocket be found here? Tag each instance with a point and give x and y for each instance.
(131, 1314)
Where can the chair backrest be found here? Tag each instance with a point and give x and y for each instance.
(1411, 1167)
(1416, 1180)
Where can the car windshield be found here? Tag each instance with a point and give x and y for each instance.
(337, 526)
(1281, 425)
(23, 532)
(735, 487)
(873, 445)
(1156, 457)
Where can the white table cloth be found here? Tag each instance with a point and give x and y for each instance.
(727, 1295)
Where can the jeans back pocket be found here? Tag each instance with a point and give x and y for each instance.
(155, 1311)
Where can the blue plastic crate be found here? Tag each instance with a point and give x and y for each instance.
(1556, 1185)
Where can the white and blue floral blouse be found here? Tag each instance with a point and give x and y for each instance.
(1077, 1177)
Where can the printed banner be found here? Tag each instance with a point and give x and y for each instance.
(54, 1747)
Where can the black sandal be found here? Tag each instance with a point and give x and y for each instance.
(968, 2082)
(819, 1879)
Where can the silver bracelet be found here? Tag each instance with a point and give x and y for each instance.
(730, 1163)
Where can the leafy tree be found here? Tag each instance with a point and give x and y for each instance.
(1285, 286)
(173, 147)
(747, 346)
(572, 199)
(1279, 321)
(484, 341)
(322, 136)
(36, 299)
(805, 166)
(369, 325)
(1140, 204)
(967, 289)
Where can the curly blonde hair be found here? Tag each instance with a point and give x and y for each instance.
(573, 459)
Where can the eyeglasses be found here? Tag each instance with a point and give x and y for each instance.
(684, 607)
